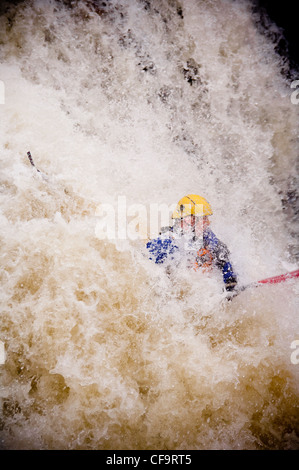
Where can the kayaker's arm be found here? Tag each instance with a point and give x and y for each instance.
(160, 248)
(222, 261)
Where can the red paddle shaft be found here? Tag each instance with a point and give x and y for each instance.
(281, 278)
(272, 280)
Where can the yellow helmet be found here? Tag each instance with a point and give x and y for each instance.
(192, 204)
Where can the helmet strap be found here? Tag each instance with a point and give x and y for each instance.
(193, 226)
(182, 211)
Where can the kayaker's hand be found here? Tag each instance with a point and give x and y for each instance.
(231, 290)
(231, 295)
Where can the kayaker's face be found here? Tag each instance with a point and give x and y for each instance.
(192, 225)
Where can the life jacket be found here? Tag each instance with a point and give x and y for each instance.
(213, 253)
(203, 260)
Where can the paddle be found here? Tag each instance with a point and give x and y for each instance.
(270, 280)
(31, 161)
(45, 177)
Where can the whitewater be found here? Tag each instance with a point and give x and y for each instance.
(144, 102)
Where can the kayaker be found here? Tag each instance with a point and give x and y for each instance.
(191, 241)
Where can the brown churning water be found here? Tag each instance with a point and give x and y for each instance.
(148, 101)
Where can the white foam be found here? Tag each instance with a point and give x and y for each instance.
(104, 350)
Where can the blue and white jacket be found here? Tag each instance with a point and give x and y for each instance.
(213, 253)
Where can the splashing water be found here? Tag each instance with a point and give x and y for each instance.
(148, 100)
